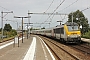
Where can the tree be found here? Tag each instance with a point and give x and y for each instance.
(43, 28)
(0, 30)
(79, 18)
(7, 27)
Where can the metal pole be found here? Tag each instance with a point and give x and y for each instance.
(60, 29)
(2, 25)
(22, 29)
(2, 20)
(18, 41)
(29, 22)
(72, 17)
(22, 25)
(17, 25)
(27, 31)
(49, 25)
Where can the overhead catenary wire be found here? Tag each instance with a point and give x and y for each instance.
(3, 11)
(49, 6)
(4, 8)
(66, 8)
(86, 9)
(47, 9)
(69, 5)
(54, 11)
(59, 6)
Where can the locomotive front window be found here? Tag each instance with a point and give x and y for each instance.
(71, 28)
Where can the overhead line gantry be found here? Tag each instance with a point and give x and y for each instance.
(49, 13)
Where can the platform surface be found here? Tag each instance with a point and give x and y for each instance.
(32, 48)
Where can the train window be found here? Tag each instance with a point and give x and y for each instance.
(59, 30)
(48, 31)
(71, 28)
(62, 30)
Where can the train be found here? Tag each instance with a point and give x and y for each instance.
(68, 32)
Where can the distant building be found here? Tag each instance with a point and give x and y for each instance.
(20, 29)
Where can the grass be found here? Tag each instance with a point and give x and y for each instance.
(6, 39)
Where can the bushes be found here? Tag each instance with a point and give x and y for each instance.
(13, 32)
(86, 35)
(10, 33)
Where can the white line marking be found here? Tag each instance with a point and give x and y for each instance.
(6, 45)
(48, 49)
(44, 51)
(31, 51)
(3, 46)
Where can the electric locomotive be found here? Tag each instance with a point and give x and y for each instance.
(68, 32)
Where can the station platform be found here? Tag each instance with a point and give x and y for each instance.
(85, 40)
(32, 48)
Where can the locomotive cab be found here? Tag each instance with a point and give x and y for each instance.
(73, 33)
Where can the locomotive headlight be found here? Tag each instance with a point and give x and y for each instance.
(79, 35)
(68, 35)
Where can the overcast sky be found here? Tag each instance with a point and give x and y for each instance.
(21, 8)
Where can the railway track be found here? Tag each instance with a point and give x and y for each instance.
(60, 52)
(86, 45)
(84, 48)
(55, 54)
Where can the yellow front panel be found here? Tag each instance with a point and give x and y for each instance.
(71, 32)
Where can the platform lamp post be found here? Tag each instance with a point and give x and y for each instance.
(2, 20)
(22, 24)
(27, 28)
